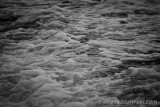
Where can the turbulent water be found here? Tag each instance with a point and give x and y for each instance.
(79, 53)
